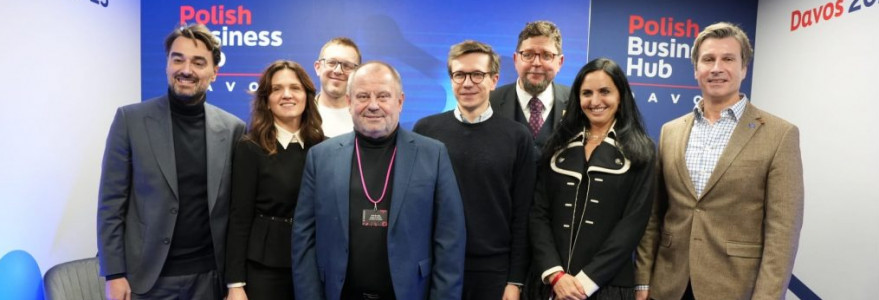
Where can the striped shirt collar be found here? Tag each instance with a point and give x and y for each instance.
(735, 111)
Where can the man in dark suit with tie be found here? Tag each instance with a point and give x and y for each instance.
(534, 99)
(164, 194)
(379, 213)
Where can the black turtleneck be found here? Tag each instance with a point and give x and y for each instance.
(192, 248)
(368, 267)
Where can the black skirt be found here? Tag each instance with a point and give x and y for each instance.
(608, 292)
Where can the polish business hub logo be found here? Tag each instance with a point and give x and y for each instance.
(233, 26)
(658, 55)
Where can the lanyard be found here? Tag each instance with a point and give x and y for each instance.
(363, 181)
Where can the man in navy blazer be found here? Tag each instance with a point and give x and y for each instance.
(379, 213)
(163, 203)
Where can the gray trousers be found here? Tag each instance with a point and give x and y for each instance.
(201, 286)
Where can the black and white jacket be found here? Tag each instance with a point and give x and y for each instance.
(588, 217)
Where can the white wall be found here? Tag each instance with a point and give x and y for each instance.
(64, 68)
(824, 79)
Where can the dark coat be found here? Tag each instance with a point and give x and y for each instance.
(617, 199)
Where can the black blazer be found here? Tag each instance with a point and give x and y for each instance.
(505, 102)
(265, 190)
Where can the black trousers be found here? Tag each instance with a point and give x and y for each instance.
(480, 285)
(688, 293)
(201, 286)
(264, 282)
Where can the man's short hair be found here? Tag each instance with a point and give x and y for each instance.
(541, 28)
(719, 31)
(471, 46)
(394, 74)
(342, 41)
(195, 32)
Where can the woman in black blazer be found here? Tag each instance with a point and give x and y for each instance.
(266, 172)
(594, 190)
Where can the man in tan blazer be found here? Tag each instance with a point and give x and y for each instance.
(728, 213)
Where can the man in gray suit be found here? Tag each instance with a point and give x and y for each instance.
(534, 99)
(164, 195)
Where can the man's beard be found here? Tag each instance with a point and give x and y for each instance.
(195, 98)
(534, 89)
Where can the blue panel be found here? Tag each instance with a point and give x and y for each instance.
(615, 25)
(413, 36)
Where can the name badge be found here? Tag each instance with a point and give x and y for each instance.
(375, 218)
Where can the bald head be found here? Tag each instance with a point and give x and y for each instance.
(375, 98)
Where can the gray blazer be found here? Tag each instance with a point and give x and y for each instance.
(137, 200)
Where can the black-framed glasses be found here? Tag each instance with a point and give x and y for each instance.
(475, 76)
(529, 56)
(332, 64)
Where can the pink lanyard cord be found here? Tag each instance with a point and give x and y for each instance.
(363, 181)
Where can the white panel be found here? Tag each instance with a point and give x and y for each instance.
(823, 78)
(65, 67)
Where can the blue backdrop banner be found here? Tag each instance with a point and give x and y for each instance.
(651, 40)
(413, 36)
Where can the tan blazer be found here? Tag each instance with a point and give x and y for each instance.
(739, 239)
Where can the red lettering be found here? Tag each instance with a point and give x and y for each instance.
(828, 11)
(692, 28)
(242, 13)
(635, 22)
(216, 15)
(231, 17)
(806, 17)
(650, 31)
(186, 13)
(202, 16)
(665, 26)
(816, 13)
(679, 29)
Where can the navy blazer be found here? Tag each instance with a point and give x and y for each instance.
(426, 234)
(137, 200)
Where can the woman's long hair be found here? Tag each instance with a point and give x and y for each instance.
(631, 136)
(262, 121)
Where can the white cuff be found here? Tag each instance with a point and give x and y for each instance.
(235, 285)
(588, 285)
(548, 272)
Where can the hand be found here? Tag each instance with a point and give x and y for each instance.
(568, 288)
(511, 292)
(118, 289)
(237, 293)
(642, 295)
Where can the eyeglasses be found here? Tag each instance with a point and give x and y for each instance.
(475, 77)
(529, 56)
(332, 64)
